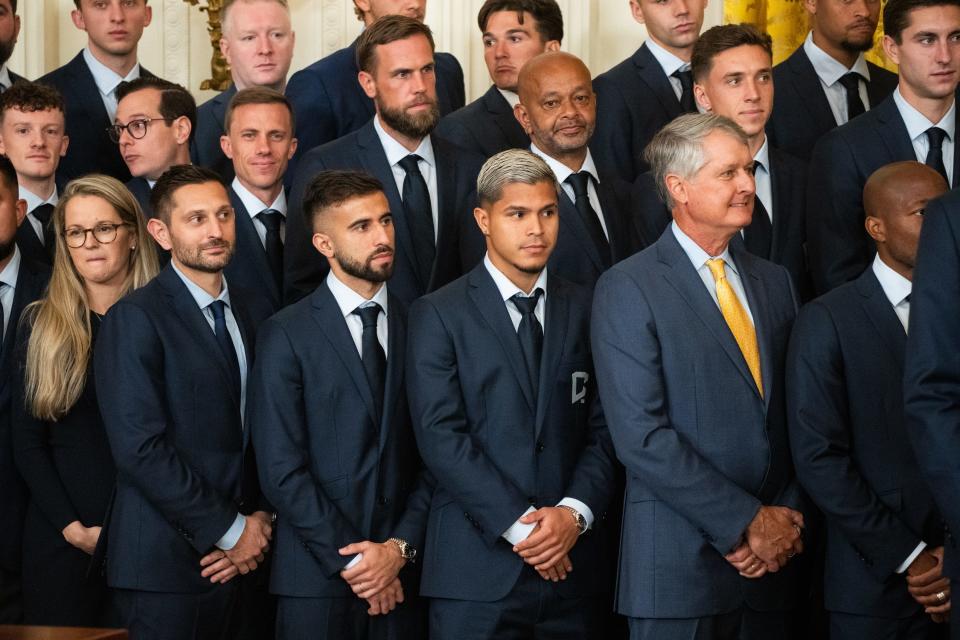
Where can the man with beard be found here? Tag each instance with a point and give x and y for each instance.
(336, 453)
(500, 380)
(428, 182)
(826, 81)
(557, 109)
(9, 30)
(329, 103)
(917, 122)
(172, 364)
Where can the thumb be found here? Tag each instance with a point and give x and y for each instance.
(353, 549)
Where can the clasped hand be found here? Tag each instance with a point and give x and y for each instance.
(221, 566)
(772, 539)
(927, 586)
(374, 577)
(547, 547)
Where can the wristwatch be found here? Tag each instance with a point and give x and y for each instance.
(578, 518)
(407, 552)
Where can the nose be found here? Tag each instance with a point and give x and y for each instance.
(500, 49)
(264, 45)
(680, 7)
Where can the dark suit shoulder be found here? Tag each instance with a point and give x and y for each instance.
(787, 161)
(327, 65)
(882, 77)
(64, 75)
(447, 63)
(623, 71)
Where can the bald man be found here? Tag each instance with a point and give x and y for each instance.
(558, 111)
(884, 551)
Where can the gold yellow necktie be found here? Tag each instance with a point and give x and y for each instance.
(737, 319)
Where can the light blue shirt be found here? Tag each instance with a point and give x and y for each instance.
(829, 70)
(562, 172)
(670, 65)
(33, 201)
(9, 277)
(5, 80)
(396, 152)
(204, 300)
(917, 125)
(255, 206)
(896, 288)
(761, 178)
(348, 300)
(107, 80)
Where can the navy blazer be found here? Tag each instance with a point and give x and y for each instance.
(634, 100)
(174, 424)
(337, 470)
(31, 285)
(90, 150)
(486, 126)
(249, 268)
(141, 190)
(801, 112)
(329, 102)
(494, 447)
(702, 448)
(15, 78)
(205, 149)
(31, 246)
(458, 237)
(851, 450)
(838, 245)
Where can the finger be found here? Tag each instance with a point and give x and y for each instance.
(225, 576)
(211, 557)
(216, 567)
(353, 549)
(534, 539)
(927, 578)
(374, 609)
(533, 516)
(567, 564)
(550, 556)
(939, 609)
(260, 559)
(931, 588)
(796, 517)
(554, 561)
(359, 571)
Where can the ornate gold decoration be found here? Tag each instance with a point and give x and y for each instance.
(218, 65)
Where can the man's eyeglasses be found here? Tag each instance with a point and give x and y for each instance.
(136, 128)
(104, 233)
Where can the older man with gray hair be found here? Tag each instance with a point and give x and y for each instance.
(689, 339)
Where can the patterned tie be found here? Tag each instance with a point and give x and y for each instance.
(851, 84)
(935, 136)
(737, 319)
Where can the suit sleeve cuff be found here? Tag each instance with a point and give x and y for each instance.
(518, 531)
(913, 556)
(580, 508)
(230, 538)
(357, 558)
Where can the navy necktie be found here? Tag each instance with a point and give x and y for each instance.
(530, 333)
(220, 331)
(935, 136)
(419, 217)
(44, 214)
(372, 355)
(271, 219)
(851, 84)
(589, 215)
(687, 101)
(758, 235)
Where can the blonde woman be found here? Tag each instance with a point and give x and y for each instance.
(103, 251)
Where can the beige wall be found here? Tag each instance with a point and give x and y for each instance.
(176, 45)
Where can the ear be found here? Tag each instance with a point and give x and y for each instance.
(523, 117)
(149, 16)
(293, 148)
(226, 146)
(810, 6)
(225, 49)
(701, 96)
(183, 128)
(77, 18)
(160, 233)
(368, 84)
(64, 145)
(637, 11)
(21, 211)
(891, 48)
(552, 45)
(677, 188)
(323, 244)
(483, 220)
(875, 228)
(16, 28)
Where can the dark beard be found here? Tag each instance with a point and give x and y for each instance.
(198, 262)
(415, 127)
(857, 47)
(6, 50)
(364, 270)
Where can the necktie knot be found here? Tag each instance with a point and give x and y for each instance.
(271, 219)
(687, 102)
(579, 183)
(526, 305)
(43, 213)
(716, 266)
(685, 76)
(851, 81)
(218, 307)
(369, 313)
(936, 136)
(410, 164)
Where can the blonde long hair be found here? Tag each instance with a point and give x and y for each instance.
(60, 345)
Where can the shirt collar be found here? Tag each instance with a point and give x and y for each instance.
(255, 205)
(510, 96)
(894, 285)
(396, 152)
(348, 300)
(105, 78)
(562, 171)
(34, 201)
(507, 288)
(828, 69)
(696, 254)
(10, 272)
(763, 155)
(917, 123)
(5, 77)
(202, 298)
(668, 62)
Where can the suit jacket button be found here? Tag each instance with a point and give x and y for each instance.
(532, 500)
(382, 500)
(540, 446)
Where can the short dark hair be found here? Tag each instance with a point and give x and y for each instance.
(333, 188)
(716, 40)
(896, 14)
(31, 96)
(177, 176)
(546, 12)
(9, 175)
(257, 95)
(384, 31)
(175, 100)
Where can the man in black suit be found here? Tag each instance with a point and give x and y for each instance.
(557, 109)
(22, 281)
(649, 89)
(257, 43)
(33, 137)
(429, 182)
(344, 476)
(260, 142)
(826, 82)
(9, 31)
(172, 362)
(329, 103)
(884, 552)
(154, 125)
(514, 31)
(500, 381)
(89, 83)
(917, 122)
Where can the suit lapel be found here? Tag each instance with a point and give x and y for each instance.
(780, 193)
(876, 93)
(892, 131)
(577, 230)
(807, 84)
(29, 243)
(87, 92)
(651, 73)
(396, 343)
(249, 244)
(446, 201)
(28, 288)
(611, 206)
(220, 104)
(555, 334)
(498, 107)
(759, 303)
(878, 309)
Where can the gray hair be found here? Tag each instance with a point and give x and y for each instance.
(510, 167)
(677, 148)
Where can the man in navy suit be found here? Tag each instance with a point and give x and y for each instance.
(649, 89)
(328, 101)
(259, 141)
(22, 281)
(826, 82)
(154, 125)
(917, 122)
(884, 553)
(172, 364)
(689, 341)
(9, 32)
(336, 453)
(514, 31)
(89, 83)
(558, 111)
(504, 406)
(33, 137)
(257, 43)
(429, 182)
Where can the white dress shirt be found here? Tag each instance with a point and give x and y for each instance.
(348, 300)
(9, 277)
(510, 96)
(670, 64)
(519, 531)
(255, 206)
(5, 80)
(34, 201)
(107, 80)
(917, 125)
(829, 70)
(428, 165)
(562, 172)
(761, 178)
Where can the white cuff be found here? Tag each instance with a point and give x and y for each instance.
(230, 538)
(580, 508)
(518, 531)
(912, 557)
(357, 558)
